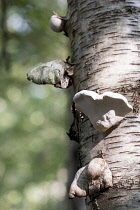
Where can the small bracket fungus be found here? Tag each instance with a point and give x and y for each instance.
(104, 111)
(57, 22)
(53, 72)
(91, 179)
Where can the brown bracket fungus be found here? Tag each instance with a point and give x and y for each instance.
(55, 72)
(104, 111)
(91, 179)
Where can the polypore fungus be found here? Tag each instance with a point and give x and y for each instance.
(57, 23)
(53, 72)
(104, 111)
(91, 179)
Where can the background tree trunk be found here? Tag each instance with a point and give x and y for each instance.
(105, 43)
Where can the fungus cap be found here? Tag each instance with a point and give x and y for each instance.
(105, 110)
(56, 23)
(90, 179)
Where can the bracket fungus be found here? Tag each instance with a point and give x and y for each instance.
(105, 110)
(55, 72)
(57, 22)
(91, 179)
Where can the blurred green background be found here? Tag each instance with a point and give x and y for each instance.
(33, 119)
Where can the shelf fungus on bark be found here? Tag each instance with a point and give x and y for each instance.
(57, 23)
(91, 179)
(105, 110)
(56, 72)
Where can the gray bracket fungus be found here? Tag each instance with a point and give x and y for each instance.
(53, 72)
(104, 111)
(91, 179)
(57, 23)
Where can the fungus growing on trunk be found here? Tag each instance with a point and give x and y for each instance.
(104, 111)
(57, 23)
(91, 179)
(55, 72)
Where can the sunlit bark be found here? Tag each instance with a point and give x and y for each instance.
(105, 43)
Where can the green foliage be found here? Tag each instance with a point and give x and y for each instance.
(33, 141)
(32, 40)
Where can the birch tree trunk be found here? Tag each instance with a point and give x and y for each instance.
(105, 43)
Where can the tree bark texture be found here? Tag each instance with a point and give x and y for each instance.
(105, 43)
(4, 54)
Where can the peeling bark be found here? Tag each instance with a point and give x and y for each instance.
(105, 42)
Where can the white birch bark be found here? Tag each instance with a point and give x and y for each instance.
(105, 42)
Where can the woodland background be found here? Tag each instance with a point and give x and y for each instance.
(33, 119)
